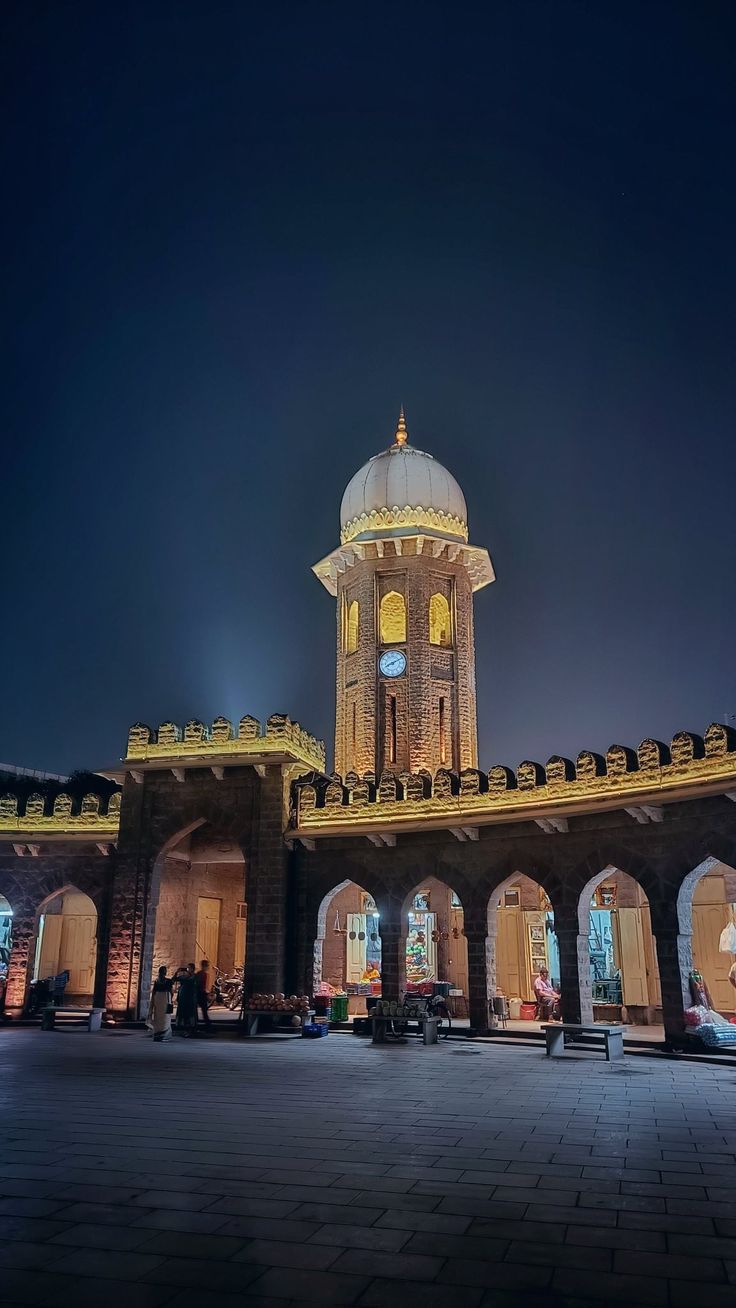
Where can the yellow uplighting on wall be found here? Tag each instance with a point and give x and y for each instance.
(392, 619)
(351, 643)
(440, 623)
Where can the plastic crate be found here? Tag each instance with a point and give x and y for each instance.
(339, 1008)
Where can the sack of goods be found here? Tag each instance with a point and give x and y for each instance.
(278, 1004)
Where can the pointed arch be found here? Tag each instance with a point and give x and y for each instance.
(352, 627)
(440, 620)
(392, 618)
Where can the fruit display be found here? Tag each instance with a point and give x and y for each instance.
(326, 991)
(278, 1004)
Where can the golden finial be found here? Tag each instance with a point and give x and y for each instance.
(402, 435)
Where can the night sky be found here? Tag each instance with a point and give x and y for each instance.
(237, 236)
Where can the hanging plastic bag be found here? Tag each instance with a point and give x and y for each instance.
(727, 943)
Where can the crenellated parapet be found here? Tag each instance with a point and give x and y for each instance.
(42, 815)
(280, 736)
(623, 775)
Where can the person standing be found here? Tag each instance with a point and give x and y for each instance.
(186, 1003)
(203, 989)
(161, 1007)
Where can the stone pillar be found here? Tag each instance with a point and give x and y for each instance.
(393, 927)
(575, 984)
(675, 961)
(479, 951)
(24, 929)
(267, 887)
(130, 888)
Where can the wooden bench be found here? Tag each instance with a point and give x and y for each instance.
(68, 1016)
(613, 1037)
(429, 1027)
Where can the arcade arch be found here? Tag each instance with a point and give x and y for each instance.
(521, 939)
(706, 908)
(436, 947)
(197, 906)
(347, 948)
(6, 934)
(622, 981)
(66, 941)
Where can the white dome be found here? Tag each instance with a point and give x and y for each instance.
(403, 488)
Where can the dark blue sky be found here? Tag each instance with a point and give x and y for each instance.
(236, 236)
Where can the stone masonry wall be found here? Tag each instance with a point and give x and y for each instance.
(27, 882)
(432, 672)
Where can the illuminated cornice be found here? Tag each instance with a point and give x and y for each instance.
(281, 741)
(635, 780)
(476, 561)
(383, 521)
(90, 821)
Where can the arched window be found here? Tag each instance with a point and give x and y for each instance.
(351, 643)
(440, 625)
(392, 619)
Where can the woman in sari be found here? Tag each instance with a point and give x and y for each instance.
(161, 1007)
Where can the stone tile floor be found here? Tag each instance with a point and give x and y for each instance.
(216, 1174)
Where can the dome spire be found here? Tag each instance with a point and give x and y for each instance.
(402, 435)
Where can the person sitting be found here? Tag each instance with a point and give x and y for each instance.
(548, 999)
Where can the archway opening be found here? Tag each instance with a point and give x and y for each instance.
(622, 951)
(347, 950)
(198, 913)
(66, 942)
(522, 944)
(6, 941)
(706, 909)
(436, 952)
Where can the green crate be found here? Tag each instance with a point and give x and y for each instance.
(339, 1007)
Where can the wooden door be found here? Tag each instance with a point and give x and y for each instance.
(355, 959)
(458, 952)
(430, 929)
(654, 986)
(631, 956)
(708, 923)
(241, 920)
(508, 952)
(48, 945)
(208, 930)
(78, 951)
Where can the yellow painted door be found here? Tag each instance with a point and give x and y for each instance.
(241, 921)
(631, 956)
(208, 929)
(650, 955)
(356, 947)
(78, 951)
(430, 928)
(708, 923)
(457, 952)
(508, 952)
(48, 946)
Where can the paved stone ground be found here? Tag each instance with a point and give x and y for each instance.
(216, 1174)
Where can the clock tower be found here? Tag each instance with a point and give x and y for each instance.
(403, 577)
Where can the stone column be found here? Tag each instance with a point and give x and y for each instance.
(267, 885)
(675, 960)
(18, 975)
(130, 886)
(479, 948)
(575, 984)
(393, 927)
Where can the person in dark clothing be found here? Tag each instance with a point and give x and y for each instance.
(203, 989)
(186, 1004)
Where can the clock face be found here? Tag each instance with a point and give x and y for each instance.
(392, 663)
